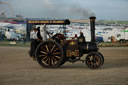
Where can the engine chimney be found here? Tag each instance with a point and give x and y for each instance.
(92, 25)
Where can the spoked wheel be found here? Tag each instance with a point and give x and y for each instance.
(94, 60)
(49, 54)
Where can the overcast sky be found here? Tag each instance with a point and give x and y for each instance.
(77, 9)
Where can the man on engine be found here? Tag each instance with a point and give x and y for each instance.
(38, 35)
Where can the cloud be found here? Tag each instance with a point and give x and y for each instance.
(80, 9)
(49, 8)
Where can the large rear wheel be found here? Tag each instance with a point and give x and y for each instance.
(49, 54)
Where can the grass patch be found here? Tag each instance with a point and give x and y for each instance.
(117, 44)
(18, 43)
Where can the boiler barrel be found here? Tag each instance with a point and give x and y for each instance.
(89, 47)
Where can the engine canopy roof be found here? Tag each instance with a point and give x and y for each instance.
(38, 21)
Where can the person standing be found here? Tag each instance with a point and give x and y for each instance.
(33, 37)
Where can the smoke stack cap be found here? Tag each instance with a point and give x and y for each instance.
(92, 17)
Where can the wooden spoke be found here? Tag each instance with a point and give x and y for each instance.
(44, 58)
(43, 52)
(97, 63)
(57, 57)
(41, 55)
(56, 53)
(53, 48)
(52, 61)
(47, 48)
(49, 61)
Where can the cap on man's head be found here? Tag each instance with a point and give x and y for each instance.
(34, 27)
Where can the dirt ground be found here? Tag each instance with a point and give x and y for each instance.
(17, 68)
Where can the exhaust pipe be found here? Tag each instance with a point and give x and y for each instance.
(92, 25)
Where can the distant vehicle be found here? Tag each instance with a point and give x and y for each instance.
(99, 39)
(123, 36)
(60, 48)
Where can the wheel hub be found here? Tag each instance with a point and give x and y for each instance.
(49, 54)
(94, 60)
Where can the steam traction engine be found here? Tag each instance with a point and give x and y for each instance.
(57, 50)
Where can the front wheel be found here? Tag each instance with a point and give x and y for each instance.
(94, 60)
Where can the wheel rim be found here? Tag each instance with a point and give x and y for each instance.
(49, 54)
(93, 60)
(102, 58)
